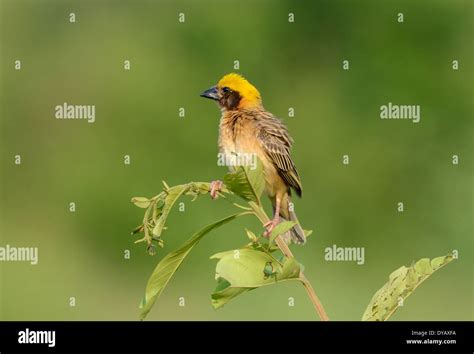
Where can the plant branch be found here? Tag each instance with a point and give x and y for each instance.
(262, 216)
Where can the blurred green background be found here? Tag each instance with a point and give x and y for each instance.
(295, 65)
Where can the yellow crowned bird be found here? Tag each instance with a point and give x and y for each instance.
(247, 128)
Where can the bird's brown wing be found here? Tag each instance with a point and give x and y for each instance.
(276, 141)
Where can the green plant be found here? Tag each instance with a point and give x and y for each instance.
(260, 262)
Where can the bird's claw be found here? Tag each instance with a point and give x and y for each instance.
(215, 188)
(270, 225)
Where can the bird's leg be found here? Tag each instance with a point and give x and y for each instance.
(270, 225)
(215, 188)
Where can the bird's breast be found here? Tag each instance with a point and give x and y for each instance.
(238, 136)
(239, 145)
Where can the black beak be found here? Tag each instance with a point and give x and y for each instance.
(212, 93)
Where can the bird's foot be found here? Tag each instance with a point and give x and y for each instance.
(215, 188)
(270, 225)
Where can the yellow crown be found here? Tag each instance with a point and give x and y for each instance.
(248, 92)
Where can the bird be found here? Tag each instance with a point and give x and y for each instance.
(247, 128)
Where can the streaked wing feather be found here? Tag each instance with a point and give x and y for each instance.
(276, 142)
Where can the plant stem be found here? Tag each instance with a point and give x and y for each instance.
(262, 216)
(307, 285)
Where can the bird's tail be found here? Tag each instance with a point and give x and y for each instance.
(295, 234)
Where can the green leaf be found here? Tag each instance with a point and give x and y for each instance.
(245, 269)
(247, 183)
(439, 262)
(224, 293)
(165, 205)
(281, 228)
(172, 196)
(401, 284)
(141, 202)
(171, 262)
(252, 237)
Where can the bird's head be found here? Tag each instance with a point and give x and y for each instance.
(234, 92)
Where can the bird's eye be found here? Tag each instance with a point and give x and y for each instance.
(225, 89)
